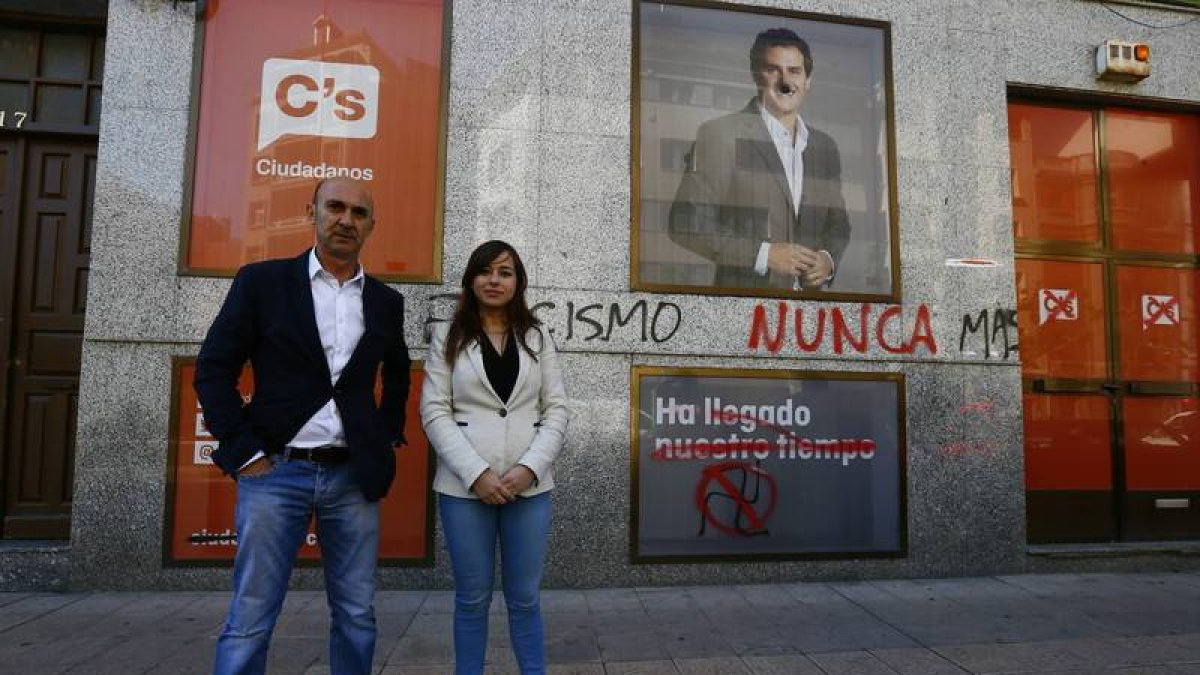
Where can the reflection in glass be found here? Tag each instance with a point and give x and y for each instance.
(66, 56)
(19, 50)
(59, 103)
(1162, 443)
(13, 97)
(1053, 173)
(93, 111)
(98, 59)
(1154, 180)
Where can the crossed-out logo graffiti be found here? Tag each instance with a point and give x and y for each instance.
(1057, 304)
(316, 98)
(1159, 310)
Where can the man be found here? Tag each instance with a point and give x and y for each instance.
(312, 442)
(762, 195)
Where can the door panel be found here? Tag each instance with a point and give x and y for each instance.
(47, 335)
(1068, 468)
(1053, 173)
(1154, 180)
(1060, 319)
(1157, 323)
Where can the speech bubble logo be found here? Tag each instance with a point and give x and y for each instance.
(316, 98)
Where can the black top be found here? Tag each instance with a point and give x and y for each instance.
(501, 368)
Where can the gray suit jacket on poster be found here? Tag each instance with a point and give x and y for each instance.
(734, 196)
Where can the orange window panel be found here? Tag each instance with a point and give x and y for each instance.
(1053, 173)
(1153, 180)
(1060, 319)
(1158, 326)
(1067, 442)
(1162, 451)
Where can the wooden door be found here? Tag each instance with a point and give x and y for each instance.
(46, 335)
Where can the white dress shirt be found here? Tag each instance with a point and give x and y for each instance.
(791, 154)
(339, 312)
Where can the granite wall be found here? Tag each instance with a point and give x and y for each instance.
(542, 89)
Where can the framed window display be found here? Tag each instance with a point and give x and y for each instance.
(764, 159)
(766, 464)
(200, 499)
(287, 92)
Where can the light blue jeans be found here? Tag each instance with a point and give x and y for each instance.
(272, 518)
(472, 529)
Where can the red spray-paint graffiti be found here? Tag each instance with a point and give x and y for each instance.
(841, 331)
(747, 519)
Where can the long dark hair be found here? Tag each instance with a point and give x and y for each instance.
(466, 326)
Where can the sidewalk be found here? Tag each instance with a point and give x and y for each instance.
(1096, 623)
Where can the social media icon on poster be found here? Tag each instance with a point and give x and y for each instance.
(317, 98)
(203, 452)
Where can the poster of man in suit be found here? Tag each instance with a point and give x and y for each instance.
(765, 155)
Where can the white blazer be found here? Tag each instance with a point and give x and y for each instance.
(472, 430)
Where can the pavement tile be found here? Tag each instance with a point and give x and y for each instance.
(916, 661)
(851, 663)
(693, 640)
(423, 650)
(438, 602)
(193, 656)
(1191, 642)
(296, 655)
(1013, 657)
(575, 668)
(133, 656)
(765, 596)
(656, 600)
(631, 646)
(713, 665)
(612, 599)
(413, 670)
(844, 636)
(34, 606)
(666, 667)
(571, 644)
(430, 624)
(782, 664)
(10, 598)
(51, 655)
(563, 601)
(399, 602)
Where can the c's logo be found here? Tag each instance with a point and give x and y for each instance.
(316, 98)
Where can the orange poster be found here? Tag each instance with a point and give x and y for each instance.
(293, 91)
(200, 499)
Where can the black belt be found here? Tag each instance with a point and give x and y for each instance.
(326, 454)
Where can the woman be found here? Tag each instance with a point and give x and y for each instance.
(494, 407)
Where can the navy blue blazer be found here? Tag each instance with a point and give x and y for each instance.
(268, 319)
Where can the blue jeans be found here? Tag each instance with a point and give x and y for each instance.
(471, 529)
(272, 515)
